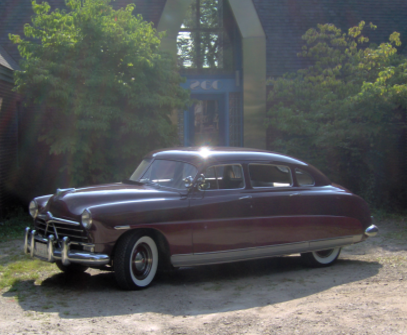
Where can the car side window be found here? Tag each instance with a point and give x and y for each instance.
(304, 178)
(270, 175)
(211, 180)
(224, 177)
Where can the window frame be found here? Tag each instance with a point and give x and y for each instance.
(222, 37)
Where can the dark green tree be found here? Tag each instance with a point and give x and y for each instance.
(345, 113)
(104, 90)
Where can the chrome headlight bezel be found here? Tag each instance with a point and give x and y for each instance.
(86, 219)
(33, 208)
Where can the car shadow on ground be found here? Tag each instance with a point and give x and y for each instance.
(189, 291)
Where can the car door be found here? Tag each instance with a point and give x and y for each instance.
(221, 211)
(275, 217)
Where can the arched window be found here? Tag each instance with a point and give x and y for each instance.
(205, 39)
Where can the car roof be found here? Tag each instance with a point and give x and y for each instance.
(197, 155)
(202, 156)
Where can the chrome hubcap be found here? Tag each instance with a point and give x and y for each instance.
(142, 261)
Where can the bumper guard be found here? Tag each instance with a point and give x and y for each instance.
(64, 254)
(371, 231)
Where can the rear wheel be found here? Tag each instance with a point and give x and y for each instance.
(71, 268)
(135, 261)
(321, 258)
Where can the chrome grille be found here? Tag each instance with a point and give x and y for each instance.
(60, 230)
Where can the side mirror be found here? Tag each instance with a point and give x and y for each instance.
(188, 182)
(201, 182)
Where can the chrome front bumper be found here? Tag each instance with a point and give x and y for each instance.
(64, 254)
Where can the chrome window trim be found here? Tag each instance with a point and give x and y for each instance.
(226, 189)
(271, 187)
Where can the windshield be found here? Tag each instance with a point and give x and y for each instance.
(140, 170)
(164, 173)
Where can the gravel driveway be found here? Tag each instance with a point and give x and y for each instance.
(365, 292)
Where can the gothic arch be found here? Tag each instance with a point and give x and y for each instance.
(254, 60)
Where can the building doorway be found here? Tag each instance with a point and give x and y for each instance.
(206, 121)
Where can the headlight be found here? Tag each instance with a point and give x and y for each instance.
(33, 209)
(86, 218)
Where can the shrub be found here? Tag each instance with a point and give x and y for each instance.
(346, 113)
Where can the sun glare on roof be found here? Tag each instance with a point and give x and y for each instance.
(204, 152)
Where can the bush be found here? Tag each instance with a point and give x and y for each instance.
(346, 114)
(103, 89)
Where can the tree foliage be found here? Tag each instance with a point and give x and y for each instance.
(103, 88)
(345, 113)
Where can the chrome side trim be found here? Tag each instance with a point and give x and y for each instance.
(327, 244)
(357, 238)
(48, 218)
(121, 227)
(371, 231)
(261, 252)
(64, 254)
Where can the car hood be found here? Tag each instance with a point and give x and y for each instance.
(71, 203)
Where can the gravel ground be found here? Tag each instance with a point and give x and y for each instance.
(365, 292)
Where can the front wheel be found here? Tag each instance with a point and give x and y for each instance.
(135, 261)
(321, 258)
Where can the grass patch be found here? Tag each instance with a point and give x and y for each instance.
(62, 303)
(25, 269)
(215, 287)
(397, 235)
(47, 306)
(12, 227)
(285, 280)
(243, 287)
(380, 215)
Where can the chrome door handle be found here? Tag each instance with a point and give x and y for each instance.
(245, 197)
(294, 194)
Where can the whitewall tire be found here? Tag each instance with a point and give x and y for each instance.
(135, 261)
(321, 258)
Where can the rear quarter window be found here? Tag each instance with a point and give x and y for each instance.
(304, 178)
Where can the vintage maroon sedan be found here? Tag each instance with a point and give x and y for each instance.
(197, 206)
